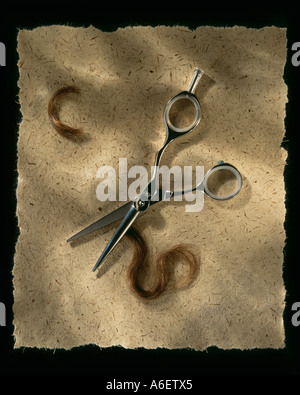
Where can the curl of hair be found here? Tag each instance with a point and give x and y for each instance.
(162, 266)
(61, 128)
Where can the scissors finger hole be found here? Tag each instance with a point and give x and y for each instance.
(183, 113)
(223, 182)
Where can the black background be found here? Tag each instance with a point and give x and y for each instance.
(116, 361)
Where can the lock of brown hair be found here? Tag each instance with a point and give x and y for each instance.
(162, 266)
(61, 128)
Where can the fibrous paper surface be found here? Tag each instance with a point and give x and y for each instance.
(125, 79)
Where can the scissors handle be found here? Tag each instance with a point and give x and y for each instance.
(173, 131)
(203, 185)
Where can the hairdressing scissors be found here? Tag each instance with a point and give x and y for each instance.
(152, 193)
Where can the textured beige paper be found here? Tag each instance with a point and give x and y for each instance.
(125, 78)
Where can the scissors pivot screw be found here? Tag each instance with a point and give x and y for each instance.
(141, 204)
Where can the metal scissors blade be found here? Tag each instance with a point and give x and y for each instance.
(114, 216)
(129, 219)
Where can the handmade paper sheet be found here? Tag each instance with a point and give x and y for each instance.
(125, 79)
